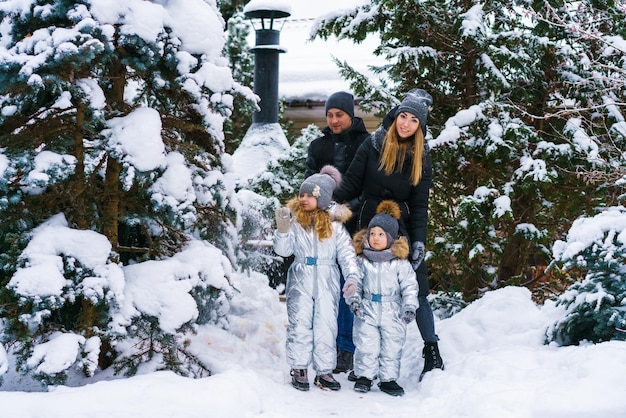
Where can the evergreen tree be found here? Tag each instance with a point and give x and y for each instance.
(593, 253)
(594, 307)
(242, 66)
(285, 173)
(506, 156)
(111, 132)
(229, 8)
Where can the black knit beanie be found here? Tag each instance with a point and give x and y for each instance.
(341, 100)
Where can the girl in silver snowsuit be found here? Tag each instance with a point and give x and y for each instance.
(384, 301)
(317, 238)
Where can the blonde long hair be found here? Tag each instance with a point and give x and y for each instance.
(396, 149)
(318, 220)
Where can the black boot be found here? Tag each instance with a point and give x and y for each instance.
(299, 379)
(363, 384)
(344, 362)
(392, 388)
(432, 358)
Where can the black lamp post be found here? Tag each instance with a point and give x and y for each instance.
(266, 53)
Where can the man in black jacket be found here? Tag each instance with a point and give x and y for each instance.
(341, 138)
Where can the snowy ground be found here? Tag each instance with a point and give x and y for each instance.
(496, 366)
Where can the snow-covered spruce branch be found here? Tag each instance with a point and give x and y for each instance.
(564, 112)
(552, 18)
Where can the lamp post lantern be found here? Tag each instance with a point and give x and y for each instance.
(265, 20)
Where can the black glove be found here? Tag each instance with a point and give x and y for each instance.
(408, 317)
(355, 307)
(417, 254)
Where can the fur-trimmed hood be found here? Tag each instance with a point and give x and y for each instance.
(377, 138)
(399, 248)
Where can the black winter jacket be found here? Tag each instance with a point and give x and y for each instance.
(366, 180)
(335, 149)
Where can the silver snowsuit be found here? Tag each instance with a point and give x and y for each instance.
(386, 290)
(312, 290)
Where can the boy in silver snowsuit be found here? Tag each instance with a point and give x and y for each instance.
(311, 228)
(384, 301)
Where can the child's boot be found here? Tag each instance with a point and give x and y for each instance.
(327, 381)
(299, 379)
(392, 388)
(363, 384)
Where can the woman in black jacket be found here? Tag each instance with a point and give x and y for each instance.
(394, 163)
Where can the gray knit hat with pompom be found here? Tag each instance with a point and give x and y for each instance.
(417, 102)
(322, 185)
(387, 215)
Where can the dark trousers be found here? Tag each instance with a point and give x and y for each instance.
(345, 318)
(424, 315)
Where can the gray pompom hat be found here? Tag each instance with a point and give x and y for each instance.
(340, 100)
(387, 215)
(417, 102)
(388, 223)
(322, 185)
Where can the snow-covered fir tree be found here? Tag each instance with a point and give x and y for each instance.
(520, 110)
(594, 252)
(112, 168)
(241, 63)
